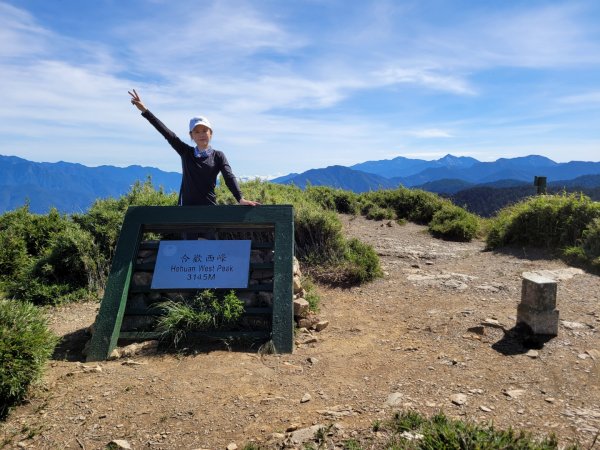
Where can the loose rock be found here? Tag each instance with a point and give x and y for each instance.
(514, 393)
(146, 348)
(305, 434)
(119, 444)
(533, 354)
(594, 354)
(458, 399)
(321, 325)
(394, 399)
(300, 307)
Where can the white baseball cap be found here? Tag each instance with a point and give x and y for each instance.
(200, 120)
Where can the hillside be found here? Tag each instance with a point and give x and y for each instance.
(70, 187)
(482, 187)
(401, 167)
(339, 177)
(439, 323)
(487, 199)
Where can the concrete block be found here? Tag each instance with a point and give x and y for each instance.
(539, 321)
(538, 292)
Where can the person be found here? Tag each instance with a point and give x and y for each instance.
(201, 164)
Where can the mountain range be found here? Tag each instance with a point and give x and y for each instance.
(70, 187)
(449, 169)
(73, 187)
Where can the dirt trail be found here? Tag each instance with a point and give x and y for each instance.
(410, 340)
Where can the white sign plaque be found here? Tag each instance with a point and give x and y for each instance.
(202, 264)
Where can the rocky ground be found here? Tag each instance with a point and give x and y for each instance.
(434, 334)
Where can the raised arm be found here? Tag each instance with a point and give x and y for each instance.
(171, 137)
(136, 101)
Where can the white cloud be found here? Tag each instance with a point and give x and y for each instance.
(587, 98)
(19, 33)
(430, 133)
(549, 36)
(223, 36)
(426, 78)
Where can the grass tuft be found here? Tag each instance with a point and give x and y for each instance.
(205, 311)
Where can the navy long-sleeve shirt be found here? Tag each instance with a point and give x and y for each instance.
(199, 177)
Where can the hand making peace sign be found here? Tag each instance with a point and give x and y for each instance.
(137, 101)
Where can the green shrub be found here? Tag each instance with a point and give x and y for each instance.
(378, 213)
(71, 258)
(34, 229)
(412, 204)
(66, 258)
(68, 269)
(590, 242)
(339, 200)
(319, 240)
(322, 195)
(346, 202)
(406, 421)
(45, 259)
(454, 223)
(365, 205)
(311, 295)
(13, 253)
(422, 205)
(327, 254)
(30, 289)
(566, 223)
(263, 192)
(551, 221)
(318, 235)
(25, 345)
(24, 235)
(575, 255)
(105, 217)
(205, 311)
(361, 263)
(103, 221)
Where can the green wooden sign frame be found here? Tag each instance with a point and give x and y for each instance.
(141, 219)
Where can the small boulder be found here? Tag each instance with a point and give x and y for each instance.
(300, 307)
(297, 284)
(307, 322)
(458, 399)
(321, 325)
(394, 399)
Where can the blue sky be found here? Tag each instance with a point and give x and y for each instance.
(295, 85)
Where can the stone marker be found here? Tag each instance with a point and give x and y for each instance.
(537, 309)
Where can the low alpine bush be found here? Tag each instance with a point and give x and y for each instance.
(454, 223)
(26, 343)
(569, 224)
